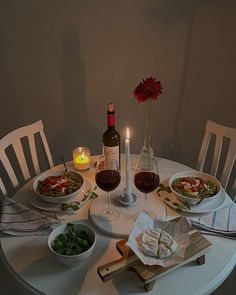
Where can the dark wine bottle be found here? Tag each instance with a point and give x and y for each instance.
(111, 137)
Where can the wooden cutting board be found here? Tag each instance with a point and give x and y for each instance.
(198, 247)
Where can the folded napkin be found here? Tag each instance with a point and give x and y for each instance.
(221, 222)
(18, 220)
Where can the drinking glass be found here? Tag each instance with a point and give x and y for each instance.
(107, 178)
(146, 178)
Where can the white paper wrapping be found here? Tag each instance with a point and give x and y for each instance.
(176, 229)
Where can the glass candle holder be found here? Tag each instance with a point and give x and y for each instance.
(81, 158)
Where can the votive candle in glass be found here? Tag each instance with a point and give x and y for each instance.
(81, 158)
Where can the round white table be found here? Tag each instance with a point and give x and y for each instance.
(30, 262)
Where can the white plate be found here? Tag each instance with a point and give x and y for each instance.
(222, 201)
(38, 203)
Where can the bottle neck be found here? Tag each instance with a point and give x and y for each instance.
(110, 120)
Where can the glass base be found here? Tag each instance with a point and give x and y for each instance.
(109, 214)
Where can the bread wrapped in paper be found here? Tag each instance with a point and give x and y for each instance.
(158, 243)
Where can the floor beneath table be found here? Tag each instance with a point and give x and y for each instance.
(229, 286)
(9, 286)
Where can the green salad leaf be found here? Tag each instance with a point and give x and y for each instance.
(75, 205)
(162, 187)
(71, 242)
(178, 206)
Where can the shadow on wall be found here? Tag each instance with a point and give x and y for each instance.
(167, 13)
(213, 14)
(76, 121)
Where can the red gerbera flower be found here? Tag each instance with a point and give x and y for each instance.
(148, 89)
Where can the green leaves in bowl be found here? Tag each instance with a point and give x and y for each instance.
(71, 242)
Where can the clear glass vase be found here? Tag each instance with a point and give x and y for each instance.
(146, 153)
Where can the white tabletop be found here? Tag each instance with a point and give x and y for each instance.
(30, 261)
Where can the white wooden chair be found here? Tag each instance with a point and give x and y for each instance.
(25, 144)
(221, 134)
(22, 143)
(3, 190)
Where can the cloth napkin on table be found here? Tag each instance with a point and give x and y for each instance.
(221, 222)
(18, 220)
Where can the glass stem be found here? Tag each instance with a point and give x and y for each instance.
(147, 137)
(146, 201)
(108, 210)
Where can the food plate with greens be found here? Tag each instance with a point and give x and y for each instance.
(194, 187)
(59, 186)
(170, 199)
(42, 205)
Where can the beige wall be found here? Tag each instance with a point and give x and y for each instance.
(63, 61)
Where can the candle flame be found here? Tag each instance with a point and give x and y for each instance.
(127, 133)
(82, 156)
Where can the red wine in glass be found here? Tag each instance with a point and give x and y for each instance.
(146, 182)
(146, 178)
(107, 180)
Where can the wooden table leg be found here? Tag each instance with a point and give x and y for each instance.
(149, 286)
(201, 260)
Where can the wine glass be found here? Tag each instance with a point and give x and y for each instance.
(107, 178)
(146, 178)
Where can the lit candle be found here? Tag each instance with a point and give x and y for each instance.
(81, 158)
(128, 169)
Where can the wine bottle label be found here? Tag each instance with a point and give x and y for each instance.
(111, 153)
(111, 120)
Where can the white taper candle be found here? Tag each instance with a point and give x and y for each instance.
(128, 168)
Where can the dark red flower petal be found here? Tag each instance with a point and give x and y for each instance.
(148, 89)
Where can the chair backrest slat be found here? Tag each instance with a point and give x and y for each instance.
(17, 147)
(34, 153)
(46, 147)
(203, 151)
(8, 167)
(229, 162)
(2, 188)
(216, 156)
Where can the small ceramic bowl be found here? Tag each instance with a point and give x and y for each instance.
(62, 199)
(72, 260)
(194, 201)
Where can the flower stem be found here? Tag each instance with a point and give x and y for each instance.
(147, 136)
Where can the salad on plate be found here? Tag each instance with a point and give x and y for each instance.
(58, 186)
(194, 187)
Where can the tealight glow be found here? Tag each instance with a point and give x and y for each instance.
(81, 158)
